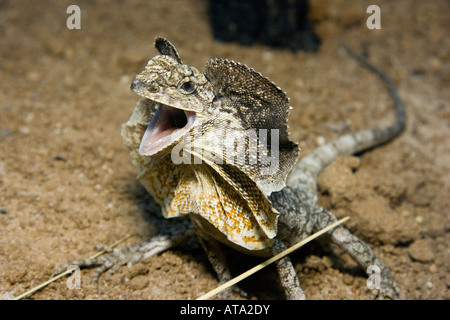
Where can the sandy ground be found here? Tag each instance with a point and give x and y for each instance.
(67, 184)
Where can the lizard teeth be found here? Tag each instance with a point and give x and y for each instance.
(167, 126)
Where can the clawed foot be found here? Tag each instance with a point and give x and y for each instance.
(133, 254)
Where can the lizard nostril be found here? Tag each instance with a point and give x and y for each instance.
(138, 85)
(133, 85)
(152, 88)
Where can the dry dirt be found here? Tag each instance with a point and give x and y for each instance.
(67, 184)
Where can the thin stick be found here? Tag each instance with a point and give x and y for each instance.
(115, 244)
(46, 283)
(269, 261)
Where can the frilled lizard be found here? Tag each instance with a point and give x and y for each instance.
(214, 146)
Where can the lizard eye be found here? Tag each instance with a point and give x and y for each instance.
(188, 87)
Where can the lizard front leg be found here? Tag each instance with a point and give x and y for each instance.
(219, 263)
(169, 238)
(216, 257)
(286, 271)
(385, 285)
(287, 274)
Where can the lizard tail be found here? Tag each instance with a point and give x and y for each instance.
(308, 169)
(400, 123)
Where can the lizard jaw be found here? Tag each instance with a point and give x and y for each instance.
(167, 126)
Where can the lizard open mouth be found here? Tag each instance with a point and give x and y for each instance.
(167, 126)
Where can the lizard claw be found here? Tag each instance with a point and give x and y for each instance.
(112, 261)
(133, 254)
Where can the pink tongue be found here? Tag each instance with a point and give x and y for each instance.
(161, 132)
(151, 143)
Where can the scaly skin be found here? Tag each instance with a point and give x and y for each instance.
(244, 204)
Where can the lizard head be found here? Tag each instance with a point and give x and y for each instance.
(181, 92)
(229, 113)
(228, 104)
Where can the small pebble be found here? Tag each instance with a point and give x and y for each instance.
(421, 250)
(320, 140)
(29, 117)
(25, 130)
(138, 282)
(348, 279)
